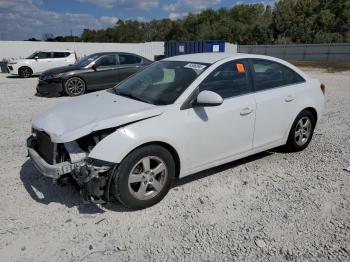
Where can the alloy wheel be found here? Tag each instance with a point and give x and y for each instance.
(75, 86)
(303, 131)
(26, 72)
(147, 178)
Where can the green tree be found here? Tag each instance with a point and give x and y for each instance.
(287, 21)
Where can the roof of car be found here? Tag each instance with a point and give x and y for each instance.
(119, 53)
(55, 50)
(211, 58)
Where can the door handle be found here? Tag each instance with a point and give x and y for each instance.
(289, 98)
(246, 111)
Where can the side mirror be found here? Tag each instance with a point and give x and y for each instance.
(94, 67)
(36, 57)
(208, 98)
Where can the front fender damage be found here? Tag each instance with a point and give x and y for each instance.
(93, 178)
(64, 162)
(92, 175)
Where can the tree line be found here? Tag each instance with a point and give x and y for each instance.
(287, 21)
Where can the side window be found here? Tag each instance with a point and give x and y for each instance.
(228, 80)
(59, 55)
(138, 60)
(43, 55)
(270, 74)
(107, 60)
(126, 59)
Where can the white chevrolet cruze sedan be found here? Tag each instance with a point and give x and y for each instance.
(178, 116)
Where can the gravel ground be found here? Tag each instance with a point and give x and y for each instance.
(270, 207)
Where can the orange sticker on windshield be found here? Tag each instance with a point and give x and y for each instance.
(240, 68)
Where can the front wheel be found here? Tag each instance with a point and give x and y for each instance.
(144, 177)
(25, 72)
(301, 132)
(74, 86)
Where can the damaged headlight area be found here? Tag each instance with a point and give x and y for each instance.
(57, 160)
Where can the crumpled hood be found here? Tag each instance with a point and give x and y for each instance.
(82, 115)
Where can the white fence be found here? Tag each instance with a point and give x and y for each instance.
(10, 50)
(231, 48)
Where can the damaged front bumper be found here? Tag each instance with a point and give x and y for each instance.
(92, 175)
(54, 171)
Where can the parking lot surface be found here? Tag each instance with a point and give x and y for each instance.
(273, 206)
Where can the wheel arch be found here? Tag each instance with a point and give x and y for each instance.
(105, 149)
(312, 111)
(23, 66)
(70, 77)
(171, 150)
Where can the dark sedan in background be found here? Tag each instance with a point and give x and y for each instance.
(94, 72)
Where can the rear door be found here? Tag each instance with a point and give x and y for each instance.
(276, 93)
(128, 65)
(60, 59)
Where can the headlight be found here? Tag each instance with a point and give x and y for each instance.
(49, 77)
(57, 76)
(12, 63)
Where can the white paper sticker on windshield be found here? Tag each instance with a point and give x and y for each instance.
(195, 66)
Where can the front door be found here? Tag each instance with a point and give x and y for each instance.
(219, 133)
(42, 62)
(106, 74)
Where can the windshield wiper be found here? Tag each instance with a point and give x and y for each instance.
(129, 95)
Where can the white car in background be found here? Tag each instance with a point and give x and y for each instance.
(40, 61)
(178, 116)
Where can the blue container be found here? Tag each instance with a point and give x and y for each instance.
(214, 46)
(173, 48)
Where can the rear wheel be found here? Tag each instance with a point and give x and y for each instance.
(301, 132)
(144, 177)
(74, 86)
(25, 72)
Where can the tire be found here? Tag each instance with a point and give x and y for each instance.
(301, 131)
(25, 72)
(74, 86)
(138, 183)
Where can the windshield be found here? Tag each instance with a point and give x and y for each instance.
(162, 82)
(86, 60)
(32, 55)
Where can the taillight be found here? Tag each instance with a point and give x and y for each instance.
(323, 88)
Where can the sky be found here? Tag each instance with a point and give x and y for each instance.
(23, 19)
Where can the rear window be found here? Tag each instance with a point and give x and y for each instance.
(60, 54)
(270, 74)
(138, 59)
(127, 59)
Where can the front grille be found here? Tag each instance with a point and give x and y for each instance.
(45, 147)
